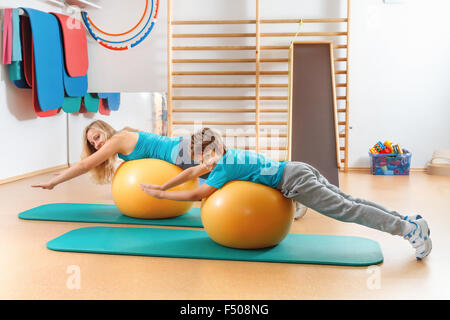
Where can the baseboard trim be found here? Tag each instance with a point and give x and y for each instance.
(32, 174)
(358, 169)
(367, 169)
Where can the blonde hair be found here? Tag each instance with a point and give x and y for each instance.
(104, 172)
(205, 140)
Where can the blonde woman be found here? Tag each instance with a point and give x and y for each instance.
(102, 144)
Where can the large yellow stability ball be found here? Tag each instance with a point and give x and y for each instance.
(132, 201)
(247, 215)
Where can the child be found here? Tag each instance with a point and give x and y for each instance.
(101, 145)
(295, 180)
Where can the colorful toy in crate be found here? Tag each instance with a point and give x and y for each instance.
(377, 148)
(386, 147)
(389, 159)
(397, 149)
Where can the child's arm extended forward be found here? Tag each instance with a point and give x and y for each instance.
(197, 194)
(185, 175)
(159, 191)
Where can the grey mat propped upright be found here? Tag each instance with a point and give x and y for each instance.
(312, 103)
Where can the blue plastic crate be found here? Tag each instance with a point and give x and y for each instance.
(390, 164)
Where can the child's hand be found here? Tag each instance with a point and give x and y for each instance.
(148, 189)
(210, 163)
(152, 186)
(48, 186)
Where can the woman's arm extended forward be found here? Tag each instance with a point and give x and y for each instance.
(111, 147)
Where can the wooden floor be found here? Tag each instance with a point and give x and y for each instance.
(28, 270)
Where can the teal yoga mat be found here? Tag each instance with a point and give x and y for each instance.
(17, 75)
(91, 102)
(15, 71)
(71, 104)
(103, 213)
(16, 44)
(177, 243)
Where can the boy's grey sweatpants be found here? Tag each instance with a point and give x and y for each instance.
(303, 183)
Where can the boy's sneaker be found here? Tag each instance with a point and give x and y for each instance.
(300, 210)
(409, 218)
(419, 238)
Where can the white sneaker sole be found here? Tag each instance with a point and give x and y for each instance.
(427, 240)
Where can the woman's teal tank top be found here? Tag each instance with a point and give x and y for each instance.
(153, 146)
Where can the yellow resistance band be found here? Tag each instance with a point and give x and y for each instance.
(300, 24)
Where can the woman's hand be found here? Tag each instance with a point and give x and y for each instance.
(152, 190)
(48, 185)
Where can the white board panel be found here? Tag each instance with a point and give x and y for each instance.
(142, 68)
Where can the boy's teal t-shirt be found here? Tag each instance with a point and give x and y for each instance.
(237, 164)
(153, 146)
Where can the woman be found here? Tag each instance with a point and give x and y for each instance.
(102, 144)
(296, 180)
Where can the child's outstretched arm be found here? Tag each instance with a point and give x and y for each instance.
(185, 175)
(197, 194)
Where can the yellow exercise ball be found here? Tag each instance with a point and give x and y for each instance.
(247, 215)
(132, 201)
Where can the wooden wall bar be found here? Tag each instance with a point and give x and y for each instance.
(252, 108)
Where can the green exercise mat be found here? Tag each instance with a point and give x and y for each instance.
(91, 102)
(179, 243)
(104, 213)
(71, 104)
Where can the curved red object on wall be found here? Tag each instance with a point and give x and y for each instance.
(103, 108)
(25, 30)
(111, 47)
(75, 45)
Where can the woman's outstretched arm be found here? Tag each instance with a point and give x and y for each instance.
(111, 147)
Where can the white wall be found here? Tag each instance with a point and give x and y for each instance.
(139, 69)
(399, 77)
(28, 143)
(135, 111)
(399, 80)
(399, 65)
(238, 9)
